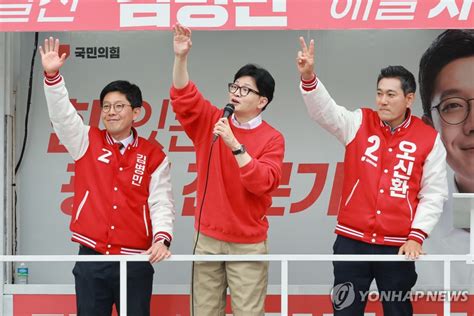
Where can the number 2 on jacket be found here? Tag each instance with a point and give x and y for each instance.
(369, 156)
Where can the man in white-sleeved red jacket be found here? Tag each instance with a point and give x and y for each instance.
(394, 185)
(236, 174)
(122, 201)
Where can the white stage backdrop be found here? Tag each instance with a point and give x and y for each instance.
(303, 218)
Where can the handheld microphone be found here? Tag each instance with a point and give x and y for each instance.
(228, 110)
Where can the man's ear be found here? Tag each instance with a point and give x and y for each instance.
(262, 102)
(427, 120)
(136, 112)
(410, 97)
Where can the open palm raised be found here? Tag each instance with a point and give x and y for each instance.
(182, 40)
(50, 58)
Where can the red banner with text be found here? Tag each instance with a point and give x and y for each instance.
(172, 305)
(108, 15)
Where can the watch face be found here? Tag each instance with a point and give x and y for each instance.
(239, 151)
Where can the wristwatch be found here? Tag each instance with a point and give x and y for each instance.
(239, 151)
(166, 242)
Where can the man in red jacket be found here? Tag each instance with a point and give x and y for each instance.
(236, 175)
(122, 192)
(394, 185)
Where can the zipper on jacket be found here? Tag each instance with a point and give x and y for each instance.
(81, 205)
(352, 192)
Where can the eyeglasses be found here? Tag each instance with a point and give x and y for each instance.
(454, 110)
(118, 107)
(244, 91)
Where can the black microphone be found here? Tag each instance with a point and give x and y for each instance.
(228, 110)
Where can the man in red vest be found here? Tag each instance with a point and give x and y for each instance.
(394, 185)
(123, 200)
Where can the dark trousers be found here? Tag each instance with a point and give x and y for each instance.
(98, 286)
(352, 280)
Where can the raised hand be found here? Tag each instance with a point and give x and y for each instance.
(305, 59)
(50, 58)
(182, 40)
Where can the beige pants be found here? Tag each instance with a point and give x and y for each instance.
(247, 281)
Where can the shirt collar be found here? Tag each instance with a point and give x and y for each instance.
(404, 124)
(455, 185)
(253, 123)
(127, 141)
(132, 139)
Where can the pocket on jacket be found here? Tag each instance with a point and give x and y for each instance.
(145, 221)
(81, 205)
(352, 192)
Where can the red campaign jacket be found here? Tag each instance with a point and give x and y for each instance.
(111, 211)
(394, 183)
(122, 202)
(382, 180)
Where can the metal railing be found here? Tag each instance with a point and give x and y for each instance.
(283, 259)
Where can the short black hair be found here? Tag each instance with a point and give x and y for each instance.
(447, 47)
(406, 78)
(131, 91)
(263, 79)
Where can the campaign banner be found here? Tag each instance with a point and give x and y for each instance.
(298, 305)
(123, 15)
(303, 214)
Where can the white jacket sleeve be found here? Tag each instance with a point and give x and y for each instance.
(161, 202)
(68, 125)
(336, 119)
(434, 189)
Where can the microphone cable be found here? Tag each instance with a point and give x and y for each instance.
(228, 110)
(199, 226)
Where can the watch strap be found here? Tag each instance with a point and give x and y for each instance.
(239, 151)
